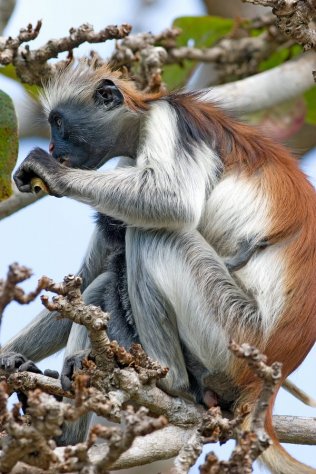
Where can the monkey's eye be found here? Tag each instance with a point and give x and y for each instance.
(108, 94)
(58, 121)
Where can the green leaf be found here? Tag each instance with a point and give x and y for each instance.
(279, 57)
(310, 100)
(203, 30)
(9, 144)
(9, 71)
(197, 31)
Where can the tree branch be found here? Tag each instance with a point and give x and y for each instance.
(16, 202)
(268, 88)
(117, 378)
(31, 65)
(10, 291)
(294, 19)
(166, 443)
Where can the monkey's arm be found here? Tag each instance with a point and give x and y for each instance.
(149, 195)
(46, 334)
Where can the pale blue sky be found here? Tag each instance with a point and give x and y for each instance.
(51, 236)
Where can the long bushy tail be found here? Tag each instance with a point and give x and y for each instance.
(280, 462)
(276, 458)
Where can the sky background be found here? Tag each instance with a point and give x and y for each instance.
(51, 236)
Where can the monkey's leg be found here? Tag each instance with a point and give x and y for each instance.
(181, 290)
(153, 312)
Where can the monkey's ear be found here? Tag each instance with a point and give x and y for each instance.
(108, 94)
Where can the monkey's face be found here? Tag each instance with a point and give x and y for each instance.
(85, 135)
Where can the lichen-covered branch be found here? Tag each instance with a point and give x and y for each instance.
(290, 429)
(249, 443)
(233, 55)
(238, 54)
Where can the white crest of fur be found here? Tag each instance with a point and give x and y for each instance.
(73, 84)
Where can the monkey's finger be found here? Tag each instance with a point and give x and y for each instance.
(25, 188)
(66, 375)
(22, 181)
(29, 366)
(71, 365)
(22, 397)
(66, 383)
(53, 374)
(11, 361)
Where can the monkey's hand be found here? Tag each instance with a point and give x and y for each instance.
(11, 361)
(41, 164)
(14, 362)
(71, 365)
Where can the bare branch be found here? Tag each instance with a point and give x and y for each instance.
(188, 454)
(16, 202)
(294, 19)
(31, 65)
(295, 429)
(46, 416)
(9, 46)
(131, 377)
(268, 88)
(166, 443)
(271, 378)
(10, 291)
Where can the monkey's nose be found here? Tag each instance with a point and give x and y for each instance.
(51, 147)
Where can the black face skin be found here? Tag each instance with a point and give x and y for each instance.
(82, 136)
(78, 135)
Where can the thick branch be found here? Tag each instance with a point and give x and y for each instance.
(290, 429)
(16, 202)
(166, 443)
(268, 88)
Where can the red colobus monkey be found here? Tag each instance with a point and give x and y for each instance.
(219, 235)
